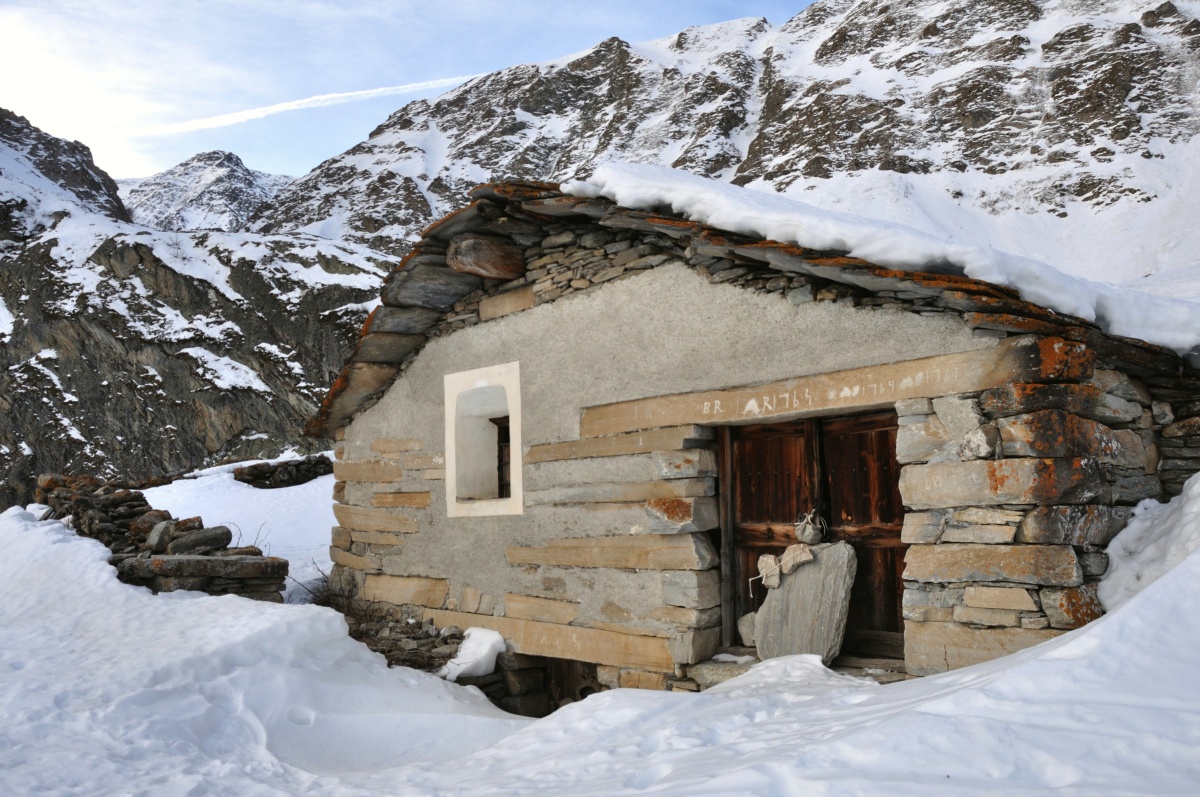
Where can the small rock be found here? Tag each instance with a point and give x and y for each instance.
(159, 536)
(202, 541)
(745, 627)
(768, 568)
(793, 557)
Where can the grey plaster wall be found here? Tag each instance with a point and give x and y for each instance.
(663, 331)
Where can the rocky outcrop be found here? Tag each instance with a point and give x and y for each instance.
(209, 191)
(65, 166)
(130, 351)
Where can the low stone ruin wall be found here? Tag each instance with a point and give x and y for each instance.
(289, 473)
(152, 549)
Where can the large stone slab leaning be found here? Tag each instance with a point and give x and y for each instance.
(807, 613)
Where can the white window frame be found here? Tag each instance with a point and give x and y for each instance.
(507, 376)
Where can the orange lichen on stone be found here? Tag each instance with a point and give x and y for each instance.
(676, 510)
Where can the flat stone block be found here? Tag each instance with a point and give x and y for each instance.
(1071, 608)
(999, 598)
(1048, 565)
(681, 515)
(545, 610)
(989, 617)
(1005, 481)
(1073, 525)
(924, 528)
(428, 286)
(400, 590)
(368, 470)
(921, 441)
(687, 618)
(1054, 433)
(1086, 400)
(402, 320)
(710, 673)
(693, 589)
(930, 648)
(690, 464)
(367, 564)
(988, 535)
(387, 347)
(362, 519)
(503, 304)
(210, 566)
(629, 551)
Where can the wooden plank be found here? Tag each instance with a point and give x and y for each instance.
(670, 439)
(621, 492)
(368, 470)
(1013, 359)
(729, 618)
(632, 551)
(399, 590)
(361, 519)
(567, 641)
(543, 610)
(387, 447)
(413, 500)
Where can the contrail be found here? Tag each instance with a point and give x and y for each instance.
(319, 101)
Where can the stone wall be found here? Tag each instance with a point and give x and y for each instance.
(153, 550)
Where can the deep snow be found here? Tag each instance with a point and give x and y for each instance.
(1120, 310)
(105, 689)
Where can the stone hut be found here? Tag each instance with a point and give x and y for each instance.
(583, 426)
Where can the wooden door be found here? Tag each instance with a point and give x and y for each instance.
(775, 479)
(862, 483)
(845, 469)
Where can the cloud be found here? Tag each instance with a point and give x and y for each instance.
(319, 101)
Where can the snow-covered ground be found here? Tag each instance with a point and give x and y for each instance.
(106, 689)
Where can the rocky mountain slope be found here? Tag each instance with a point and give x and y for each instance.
(136, 352)
(1059, 129)
(209, 191)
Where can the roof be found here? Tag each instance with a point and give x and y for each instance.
(425, 297)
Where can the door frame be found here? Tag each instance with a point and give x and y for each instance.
(730, 559)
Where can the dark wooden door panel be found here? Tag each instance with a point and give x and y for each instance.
(845, 469)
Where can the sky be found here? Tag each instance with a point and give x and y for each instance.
(140, 81)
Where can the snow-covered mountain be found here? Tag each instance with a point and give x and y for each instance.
(209, 191)
(136, 352)
(1058, 129)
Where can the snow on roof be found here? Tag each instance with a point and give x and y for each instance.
(1118, 310)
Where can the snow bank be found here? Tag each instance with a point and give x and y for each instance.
(107, 689)
(1119, 310)
(1159, 536)
(1111, 708)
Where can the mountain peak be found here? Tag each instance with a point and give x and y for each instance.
(210, 190)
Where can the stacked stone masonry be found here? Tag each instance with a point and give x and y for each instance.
(1017, 471)
(153, 550)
